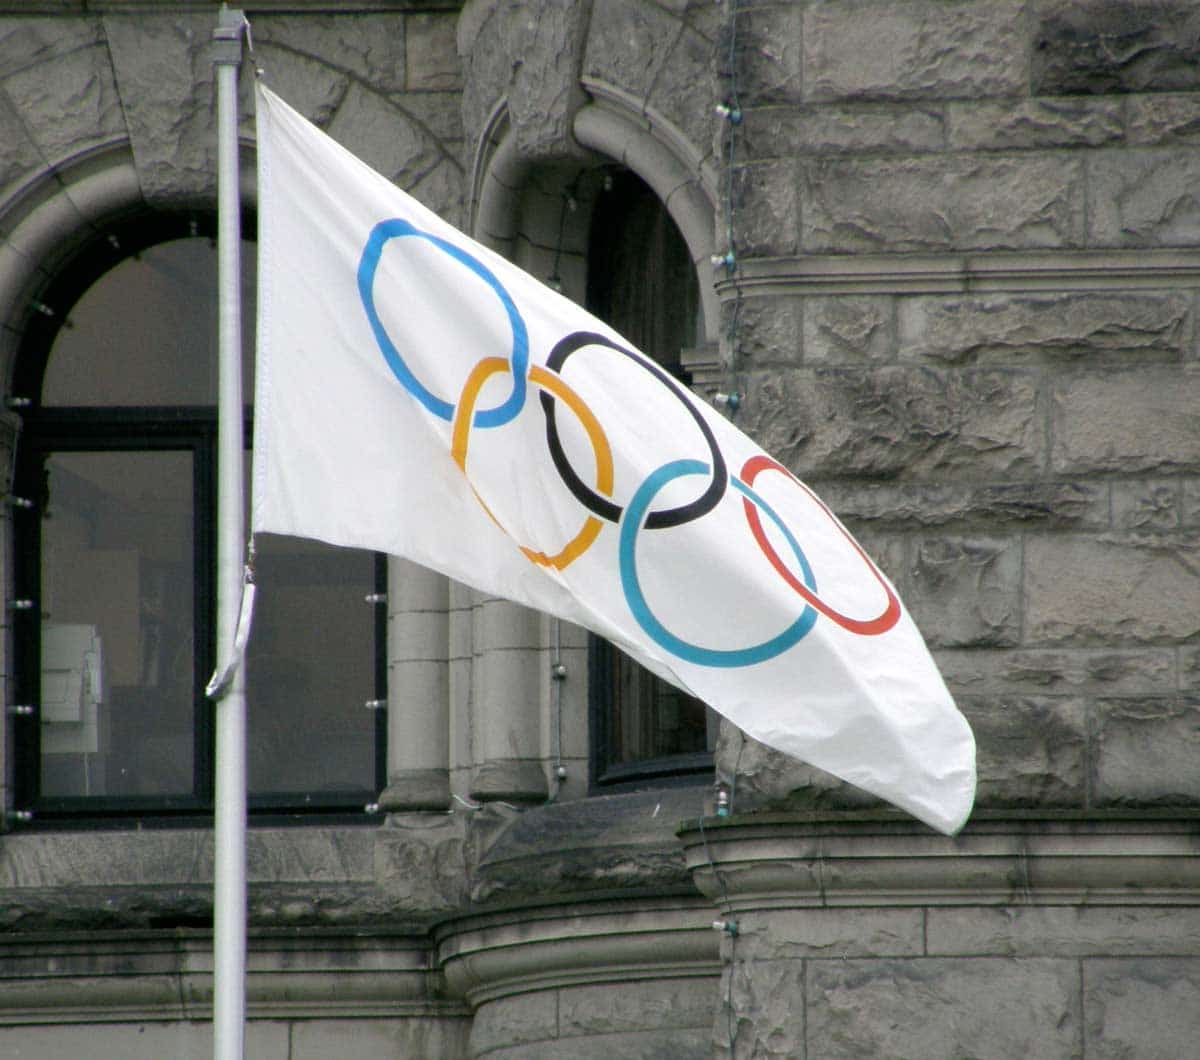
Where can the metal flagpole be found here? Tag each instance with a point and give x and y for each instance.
(229, 878)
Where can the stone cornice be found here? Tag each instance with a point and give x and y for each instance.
(962, 273)
(781, 860)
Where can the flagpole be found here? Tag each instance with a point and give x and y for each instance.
(229, 830)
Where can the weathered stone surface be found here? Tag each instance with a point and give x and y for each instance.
(848, 330)
(941, 203)
(767, 205)
(68, 103)
(931, 1009)
(765, 779)
(18, 153)
(313, 88)
(369, 46)
(768, 57)
(1062, 931)
(1067, 671)
(630, 46)
(768, 330)
(784, 132)
(674, 1044)
(1146, 505)
(385, 138)
(1189, 669)
(965, 590)
(173, 128)
(1154, 120)
(1143, 198)
(896, 421)
(915, 49)
(1126, 422)
(794, 933)
(1067, 325)
(1030, 123)
(1144, 1008)
(29, 42)
(431, 55)
(440, 113)
(687, 104)
(1191, 502)
(420, 862)
(1145, 752)
(430, 1036)
(1112, 46)
(518, 1020)
(1116, 591)
(1031, 750)
(614, 1008)
(768, 1012)
(1044, 505)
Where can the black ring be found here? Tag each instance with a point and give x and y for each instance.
(586, 496)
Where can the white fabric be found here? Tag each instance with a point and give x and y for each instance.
(369, 342)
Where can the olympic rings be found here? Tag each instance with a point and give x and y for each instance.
(693, 653)
(368, 266)
(551, 383)
(597, 498)
(600, 505)
(881, 623)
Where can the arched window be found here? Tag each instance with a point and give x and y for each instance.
(641, 280)
(114, 629)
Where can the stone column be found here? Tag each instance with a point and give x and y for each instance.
(418, 690)
(506, 693)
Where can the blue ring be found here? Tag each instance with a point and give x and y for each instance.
(693, 653)
(519, 361)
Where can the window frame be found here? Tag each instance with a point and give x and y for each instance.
(192, 429)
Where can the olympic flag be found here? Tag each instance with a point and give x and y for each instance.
(419, 395)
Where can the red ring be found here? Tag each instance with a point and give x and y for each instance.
(870, 628)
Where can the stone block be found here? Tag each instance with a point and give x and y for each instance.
(784, 132)
(420, 863)
(678, 96)
(1044, 505)
(516, 1020)
(1108, 590)
(935, 203)
(886, 421)
(1032, 123)
(1114, 46)
(1031, 750)
(18, 153)
(944, 1009)
(1189, 669)
(384, 138)
(191, 1040)
(848, 330)
(1066, 326)
(768, 330)
(1145, 752)
(1147, 1008)
(790, 934)
(617, 1008)
(629, 47)
(444, 1037)
(914, 49)
(1143, 198)
(1070, 671)
(1063, 931)
(1154, 120)
(369, 46)
(1191, 502)
(311, 87)
(1125, 422)
(28, 42)
(767, 205)
(768, 1017)
(634, 1045)
(966, 590)
(68, 103)
(1146, 505)
(431, 52)
(768, 55)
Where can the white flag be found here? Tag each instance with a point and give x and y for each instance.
(419, 395)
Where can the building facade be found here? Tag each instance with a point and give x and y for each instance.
(945, 257)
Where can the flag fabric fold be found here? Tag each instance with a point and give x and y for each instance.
(419, 395)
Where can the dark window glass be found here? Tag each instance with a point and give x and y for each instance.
(116, 559)
(641, 280)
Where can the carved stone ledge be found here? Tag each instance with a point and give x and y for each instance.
(961, 273)
(764, 861)
(492, 956)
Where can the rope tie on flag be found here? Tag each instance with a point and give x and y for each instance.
(219, 683)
